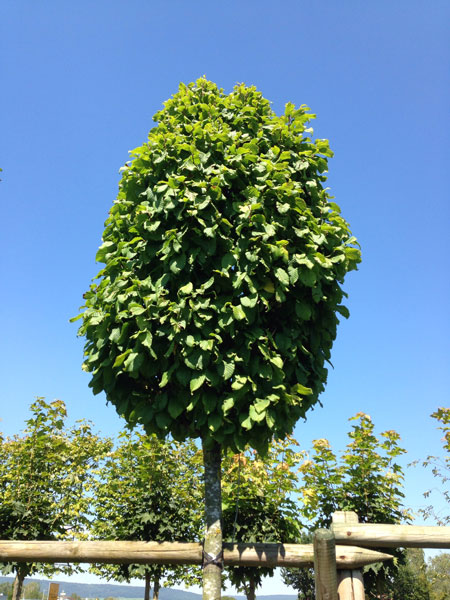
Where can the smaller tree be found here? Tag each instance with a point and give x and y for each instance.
(6, 590)
(367, 479)
(45, 475)
(32, 590)
(149, 490)
(411, 580)
(439, 576)
(302, 580)
(440, 468)
(258, 505)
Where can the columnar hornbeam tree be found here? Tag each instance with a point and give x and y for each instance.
(224, 256)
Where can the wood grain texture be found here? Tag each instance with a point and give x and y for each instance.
(325, 565)
(391, 536)
(179, 553)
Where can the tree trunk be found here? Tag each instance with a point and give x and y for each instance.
(147, 586)
(212, 569)
(251, 594)
(18, 583)
(156, 587)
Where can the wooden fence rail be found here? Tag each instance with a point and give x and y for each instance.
(180, 553)
(391, 536)
(347, 530)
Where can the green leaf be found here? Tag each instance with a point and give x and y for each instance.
(238, 313)
(303, 310)
(133, 361)
(207, 345)
(115, 334)
(175, 407)
(268, 286)
(282, 276)
(178, 264)
(226, 369)
(293, 274)
(186, 289)
(120, 359)
(190, 341)
(302, 390)
(164, 379)
(247, 423)
(227, 405)
(147, 340)
(239, 382)
(308, 277)
(227, 261)
(343, 310)
(256, 416)
(214, 421)
(197, 382)
(104, 250)
(249, 302)
(261, 405)
(163, 420)
(353, 254)
(277, 361)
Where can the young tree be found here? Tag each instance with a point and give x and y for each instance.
(44, 476)
(411, 580)
(6, 590)
(439, 576)
(440, 467)
(32, 591)
(148, 491)
(366, 479)
(301, 579)
(224, 256)
(258, 505)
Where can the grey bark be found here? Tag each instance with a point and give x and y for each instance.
(212, 573)
(156, 588)
(147, 586)
(18, 583)
(251, 595)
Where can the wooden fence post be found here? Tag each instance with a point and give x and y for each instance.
(350, 582)
(325, 565)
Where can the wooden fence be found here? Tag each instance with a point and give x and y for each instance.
(337, 555)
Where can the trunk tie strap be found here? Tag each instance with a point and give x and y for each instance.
(209, 559)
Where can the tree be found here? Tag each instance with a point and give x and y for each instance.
(367, 479)
(32, 590)
(258, 505)
(411, 581)
(440, 467)
(439, 576)
(302, 580)
(44, 477)
(224, 256)
(6, 590)
(148, 491)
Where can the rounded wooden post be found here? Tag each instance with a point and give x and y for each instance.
(350, 582)
(325, 565)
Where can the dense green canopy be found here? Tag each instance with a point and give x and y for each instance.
(216, 309)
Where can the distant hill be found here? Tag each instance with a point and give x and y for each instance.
(105, 590)
(112, 590)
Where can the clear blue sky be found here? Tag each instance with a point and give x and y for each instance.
(80, 83)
